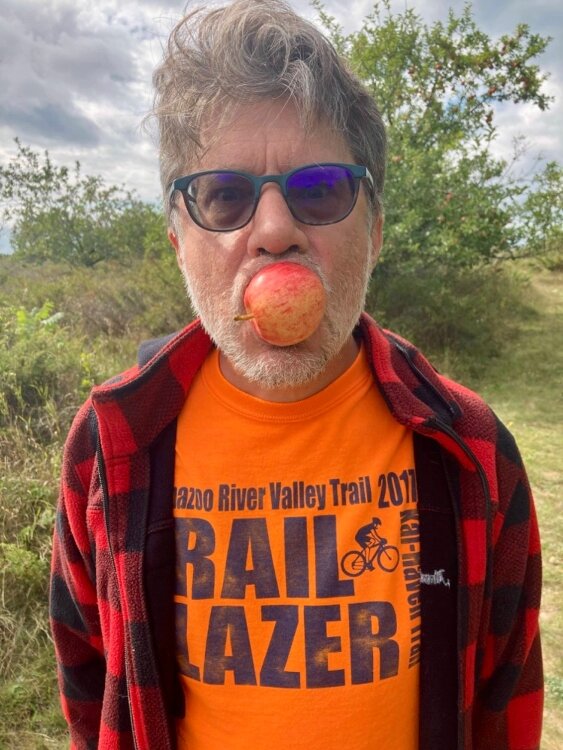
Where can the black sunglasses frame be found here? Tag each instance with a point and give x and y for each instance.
(182, 184)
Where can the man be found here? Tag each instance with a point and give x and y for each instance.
(209, 493)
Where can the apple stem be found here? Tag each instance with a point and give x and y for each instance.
(246, 316)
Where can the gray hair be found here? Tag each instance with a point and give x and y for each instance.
(251, 51)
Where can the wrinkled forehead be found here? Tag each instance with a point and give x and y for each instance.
(255, 129)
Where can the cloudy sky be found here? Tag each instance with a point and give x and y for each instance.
(75, 76)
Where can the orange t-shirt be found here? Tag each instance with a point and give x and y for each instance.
(297, 590)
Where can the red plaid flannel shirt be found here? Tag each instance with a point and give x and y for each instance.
(108, 675)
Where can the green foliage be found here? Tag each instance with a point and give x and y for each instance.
(30, 714)
(60, 214)
(28, 488)
(145, 300)
(109, 305)
(43, 370)
(542, 216)
(25, 572)
(449, 200)
(462, 320)
(25, 544)
(555, 689)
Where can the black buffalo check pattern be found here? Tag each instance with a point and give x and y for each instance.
(109, 675)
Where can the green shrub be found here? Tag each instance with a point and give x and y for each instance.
(463, 320)
(30, 717)
(143, 300)
(43, 370)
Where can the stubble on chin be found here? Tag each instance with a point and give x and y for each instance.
(272, 366)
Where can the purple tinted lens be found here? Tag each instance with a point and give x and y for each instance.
(221, 200)
(321, 195)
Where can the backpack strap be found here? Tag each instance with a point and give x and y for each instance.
(149, 348)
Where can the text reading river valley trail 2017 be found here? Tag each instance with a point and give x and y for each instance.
(392, 490)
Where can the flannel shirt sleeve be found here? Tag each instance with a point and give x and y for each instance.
(74, 612)
(510, 697)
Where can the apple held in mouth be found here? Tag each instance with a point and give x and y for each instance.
(285, 302)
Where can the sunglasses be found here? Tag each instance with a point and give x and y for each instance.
(222, 200)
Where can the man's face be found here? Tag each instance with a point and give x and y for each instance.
(266, 138)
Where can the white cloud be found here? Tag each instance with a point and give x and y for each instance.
(541, 131)
(51, 56)
(78, 82)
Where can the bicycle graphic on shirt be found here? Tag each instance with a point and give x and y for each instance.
(374, 549)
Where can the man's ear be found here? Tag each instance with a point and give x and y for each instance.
(175, 242)
(376, 239)
(173, 239)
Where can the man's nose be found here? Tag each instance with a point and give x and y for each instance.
(274, 229)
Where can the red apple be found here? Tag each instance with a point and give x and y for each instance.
(286, 303)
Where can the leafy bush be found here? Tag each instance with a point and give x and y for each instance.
(43, 370)
(78, 219)
(29, 712)
(542, 217)
(462, 320)
(144, 299)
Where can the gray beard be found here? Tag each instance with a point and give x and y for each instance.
(288, 366)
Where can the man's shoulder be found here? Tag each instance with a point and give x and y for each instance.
(412, 384)
(156, 353)
(128, 411)
(146, 352)
(429, 401)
